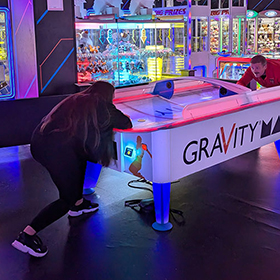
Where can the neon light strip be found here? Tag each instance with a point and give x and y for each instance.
(9, 52)
(42, 16)
(100, 36)
(133, 35)
(57, 70)
(221, 34)
(22, 17)
(31, 84)
(235, 59)
(257, 5)
(190, 36)
(173, 38)
(169, 35)
(239, 36)
(63, 39)
(109, 36)
(16, 59)
(268, 5)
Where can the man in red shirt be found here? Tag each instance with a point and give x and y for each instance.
(265, 71)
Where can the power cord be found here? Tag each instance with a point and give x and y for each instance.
(147, 205)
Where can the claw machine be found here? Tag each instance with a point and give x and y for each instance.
(263, 35)
(268, 38)
(227, 29)
(227, 32)
(129, 50)
(200, 37)
(7, 88)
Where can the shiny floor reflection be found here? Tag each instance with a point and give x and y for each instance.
(231, 229)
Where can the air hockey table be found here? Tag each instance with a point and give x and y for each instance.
(182, 126)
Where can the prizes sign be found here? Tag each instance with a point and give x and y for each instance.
(219, 12)
(172, 11)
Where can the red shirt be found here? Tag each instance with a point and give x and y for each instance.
(272, 72)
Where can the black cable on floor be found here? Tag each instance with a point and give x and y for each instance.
(147, 205)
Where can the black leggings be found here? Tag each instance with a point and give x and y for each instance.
(67, 171)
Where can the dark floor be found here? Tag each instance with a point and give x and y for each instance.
(231, 230)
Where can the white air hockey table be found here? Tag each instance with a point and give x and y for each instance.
(182, 126)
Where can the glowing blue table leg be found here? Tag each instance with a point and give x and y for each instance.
(161, 151)
(162, 200)
(277, 145)
(92, 174)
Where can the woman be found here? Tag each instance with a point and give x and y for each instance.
(77, 130)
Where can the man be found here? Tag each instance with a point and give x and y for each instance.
(265, 71)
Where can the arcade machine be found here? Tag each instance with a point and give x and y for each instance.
(264, 33)
(268, 33)
(214, 130)
(227, 29)
(131, 49)
(232, 68)
(200, 12)
(222, 25)
(7, 89)
(126, 52)
(178, 39)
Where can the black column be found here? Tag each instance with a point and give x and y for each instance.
(56, 48)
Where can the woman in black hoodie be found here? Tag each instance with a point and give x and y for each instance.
(77, 130)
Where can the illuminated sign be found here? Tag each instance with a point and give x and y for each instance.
(172, 11)
(219, 12)
(270, 13)
(251, 14)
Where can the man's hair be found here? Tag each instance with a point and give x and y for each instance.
(258, 59)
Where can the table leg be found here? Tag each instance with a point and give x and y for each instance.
(93, 171)
(162, 201)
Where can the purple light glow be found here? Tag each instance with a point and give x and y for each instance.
(23, 21)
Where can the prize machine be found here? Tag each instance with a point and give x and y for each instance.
(200, 12)
(177, 37)
(7, 90)
(126, 52)
(227, 33)
(227, 29)
(264, 33)
(232, 68)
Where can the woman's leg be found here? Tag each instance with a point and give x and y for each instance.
(68, 177)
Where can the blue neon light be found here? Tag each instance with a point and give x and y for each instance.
(42, 16)
(275, 13)
(277, 145)
(57, 70)
(257, 4)
(31, 84)
(90, 11)
(201, 67)
(9, 54)
(101, 34)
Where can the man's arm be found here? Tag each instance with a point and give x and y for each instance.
(247, 77)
